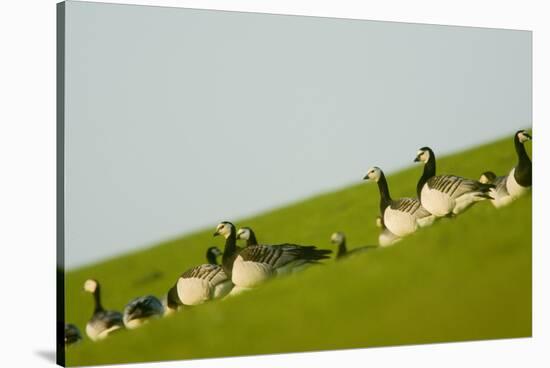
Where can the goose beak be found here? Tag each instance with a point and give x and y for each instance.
(416, 159)
(216, 234)
(528, 136)
(366, 177)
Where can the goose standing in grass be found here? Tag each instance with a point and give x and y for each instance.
(212, 255)
(447, 195)
(140, 310)
(401, 216)
(255, 264)
(386, 237)
(339, 238)
(246, 233)
(519, 179)
(72, 334)
(103, 322)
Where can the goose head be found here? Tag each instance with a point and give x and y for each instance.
(373, 174)
(215, 251)
(423, 155)
(224, 228)
(523, 136)
(91, 286)
(337, 238)
(488, 177)
(244, 233)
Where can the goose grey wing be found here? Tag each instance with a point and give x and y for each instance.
(500, 186)
(106, 319)
(209, 272)
(411, 206)
(456, 186)
(144, 306)
(282, 254)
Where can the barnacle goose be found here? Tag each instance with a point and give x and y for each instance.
(339, 238)
(247, 234)
(198, 284)
(386, 237)
(139, 310)
(401, 216)
(255, 264)
(446, 195)
(212, 254)
(103, 322)
(519, 179)
(72, 334)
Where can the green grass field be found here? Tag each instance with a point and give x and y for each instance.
(467, 278)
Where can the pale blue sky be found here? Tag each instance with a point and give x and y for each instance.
(177, 119)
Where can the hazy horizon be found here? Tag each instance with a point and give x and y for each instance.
(176, 119)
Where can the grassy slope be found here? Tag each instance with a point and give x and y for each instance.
(462, 279)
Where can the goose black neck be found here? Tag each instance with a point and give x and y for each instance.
(522, 174)
(251, 240)
(172, 299)
(97, 299)
(229, 251)
(385, 198)
(211, 258)
(429, 172)
(523, 158)
(341, 249)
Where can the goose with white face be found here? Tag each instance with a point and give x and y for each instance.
(337, 238)
(243, 234)
(373, 174)
(224, 229)
(423, 155)
(90, 286)
(523, 136)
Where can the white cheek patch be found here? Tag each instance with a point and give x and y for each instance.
(522, 137)
(90, 286)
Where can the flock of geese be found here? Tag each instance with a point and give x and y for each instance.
(247, 266)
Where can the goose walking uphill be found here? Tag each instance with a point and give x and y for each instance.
(140, 310)
(339, 238)
(386, 237)
(518, 181)
(401, 216)
(256, 264)
(447, 195)
(103, 322)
